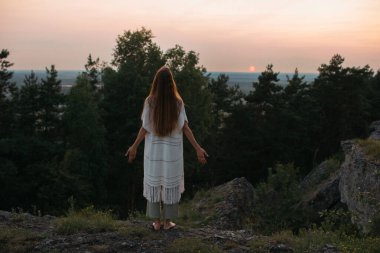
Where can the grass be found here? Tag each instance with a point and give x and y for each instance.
(86, 220)
(14, 240)
(313, 239)
(139, 232)
(371, 148)
(190, 245)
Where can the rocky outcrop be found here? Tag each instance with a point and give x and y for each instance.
(321, 187)
(360, 181)
(354, 185)
(23, 232)
(375, 134)
(227, 206)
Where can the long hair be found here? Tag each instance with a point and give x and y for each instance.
(165, 102)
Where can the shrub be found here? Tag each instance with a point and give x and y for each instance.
(190, 245)
(371, 148)
(277, 200)
(339, 221)
(86, 220)
(375, 227)
(17, 240)
(312, 240)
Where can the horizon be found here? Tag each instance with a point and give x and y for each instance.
(229, 36)
(208, 71)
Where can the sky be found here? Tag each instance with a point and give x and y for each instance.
(229, 35)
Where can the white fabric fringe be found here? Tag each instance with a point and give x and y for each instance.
(160, 193)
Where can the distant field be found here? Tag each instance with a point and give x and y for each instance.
(243, 79)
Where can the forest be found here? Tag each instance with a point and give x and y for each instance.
(57, 149)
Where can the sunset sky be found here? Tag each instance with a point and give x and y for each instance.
(229, 35)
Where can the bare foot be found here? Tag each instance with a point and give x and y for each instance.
(169, 225)
(156, 225)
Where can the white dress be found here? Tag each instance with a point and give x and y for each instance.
(163, 161)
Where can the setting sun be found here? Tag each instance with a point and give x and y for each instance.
(252, 68)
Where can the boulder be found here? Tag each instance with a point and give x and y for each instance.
(280, 248)
(359, 184)
(321, 187)
(375, 134)
(354, 185)
(227, 206)
(328, 248)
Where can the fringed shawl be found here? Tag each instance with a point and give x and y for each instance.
(163, 161)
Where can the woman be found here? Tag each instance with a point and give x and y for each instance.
(164, 121)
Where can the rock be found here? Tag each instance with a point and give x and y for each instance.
(227, 206)
(375, 135)
(328, 248)
(318, 174)
(4, 215)
(353, 186)
(321, 187)
(359, 184)
(279, 248)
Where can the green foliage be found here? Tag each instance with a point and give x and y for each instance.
(375, 226)
(341, 98)
(137, 58)
(312, 240)
(8, 93)
(276, 201)
(51, 100)
(53, 147)
(139, 232)
(93, 71)
(373, 95)
(86, 220)
(190, 245)
(84, 158)
(338, 221)
(371, 148)
(29, 106)
(14, 240)
(189, 216)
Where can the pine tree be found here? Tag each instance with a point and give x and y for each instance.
(93, 71)
(28, 105)
(51, 105)
(85, 155)
(8, 93)
(340, 95)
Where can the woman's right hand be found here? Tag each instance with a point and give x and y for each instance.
(131, 153)
(202, 154)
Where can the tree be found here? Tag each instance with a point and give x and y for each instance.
(252, 132)
(298, 114)
(225, 100)
(84, 159)
(374, 97)
(51, 105)
(28, 108)
(8, 91)
(136, 58)
(340, 95)
(93, 71)
(266, 89)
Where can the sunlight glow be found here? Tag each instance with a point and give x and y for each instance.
(252, 69)
(227, 34)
